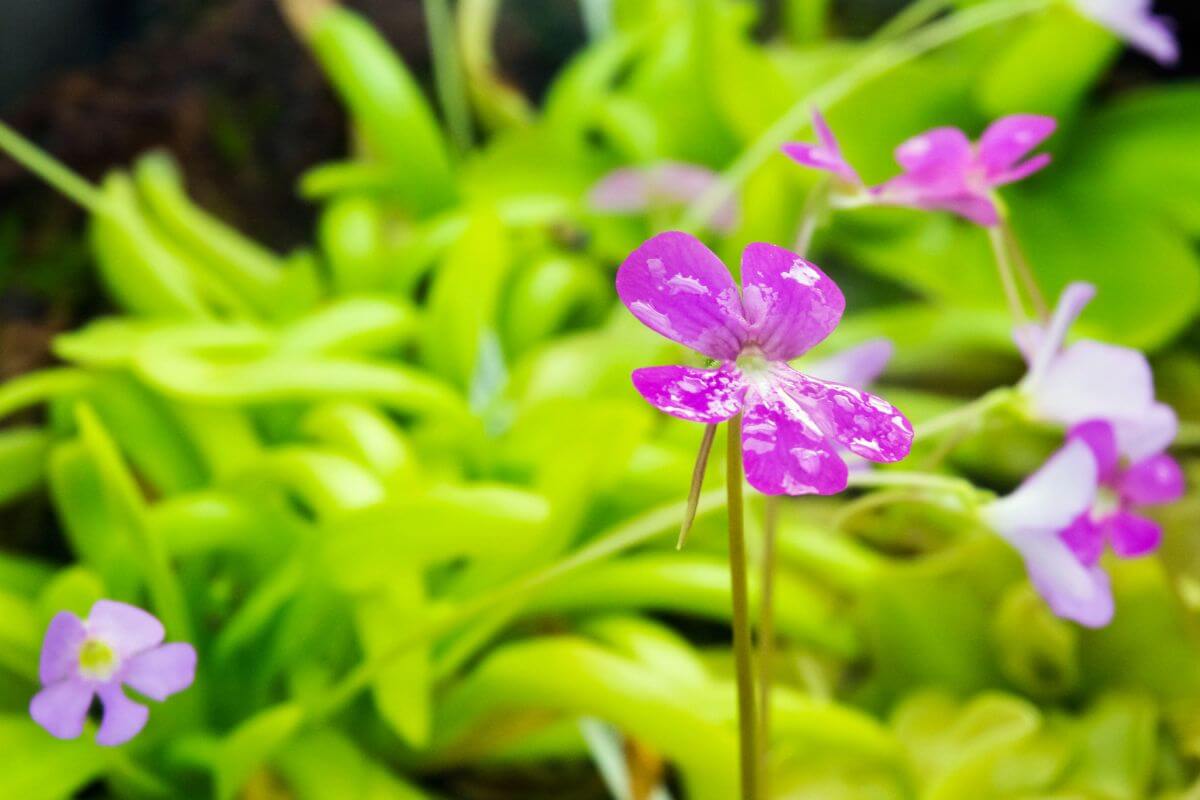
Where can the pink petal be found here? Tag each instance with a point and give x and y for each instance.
(1049, 500)
(163, 671)
(825, 156)
(785, 456)
(1153, 432)
(791, 305)
(1099, 436)
(60, 648)
(1154, 36)
(977, 208)
(662, 185)
(677, 287)
(1085, 538)
(1092, 380)
(1009, 139)
(626, 189)
(123, 718)
(945, 152)
(1153, 481)
(1040, 347)
(856, 366)
(697, 395)
(127, 629)
(864, 424)
(1133, 536)
(1022, 171)
(1072, 590)
(61, 708)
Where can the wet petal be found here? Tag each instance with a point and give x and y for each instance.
(61, 708)
(127, 629)
(1085, 538)
(1133, 536)
(60, 648)
(856, 366)
(1099, 436)
(786, 456)
(1093, 380)
(864, 424)
(1072, 589)
(1050, 499)
(163, 671)
(1009, 139)
(791, 305)
(697, 395)
(677, 287)
(123, 718)
(1153, 432)
(1153, 481)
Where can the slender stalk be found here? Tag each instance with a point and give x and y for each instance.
(1024, 272)
(879, 60)
(912, 17)
(52, 171)
(920, 481)
(742, 646)
(1004, 266)
(689, 514)
(965, 415)
(811, 217)
(447, 72)
(766, 637)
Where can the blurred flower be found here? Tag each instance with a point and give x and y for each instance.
(117, 645)
(826, 156)
(1133, 21)
(793, 423)
(943, 170)
(1033, 520)
(856, 367)
(1126, 486)
(635, 190)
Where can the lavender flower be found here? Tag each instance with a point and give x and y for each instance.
(1133, 21)
(118, 645)
(793, 423)
(635, 190)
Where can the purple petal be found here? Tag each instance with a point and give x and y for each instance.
(640, 189)
(623, 190)
(856, 366)
(784, 456)
(1099, 436)
(791, 305)
(1132, 21)
(1049, 500)
(864, 424)
(60, 648)
(1022, 171)
(677, 287)
(1041, 346)
(944, 152)
(127, 629)
(123, 718)
(1153, 481)
(1153, 432)
(163, 671)
(697, 395)
(1093, 380)
(977, 208)
(1072, 590)
(1009, 139)
(825, 156)
(1133, 536)
(61, 708)
(1085, 538)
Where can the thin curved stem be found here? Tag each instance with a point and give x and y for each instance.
(965, 415)
(1007, 276)
(689, 514)
(1040, 307)
(52, 171)
(766, 636)
(918, 481)
(742, 647)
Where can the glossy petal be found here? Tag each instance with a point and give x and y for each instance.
(1093, 380)
(790, 304)
(1072, 589)
(123, 718)
(1133, 536)
(697, 395)
(1085, 538)
(1009, 139)
(864, 424)
(61, 708)
(1100, 437)
(60, 648)
(1049, 500)
(857, 366)
(127, 629)
(1153, 481)
(677, 287)
(163, 671)
(786, 456)
(1153, 432)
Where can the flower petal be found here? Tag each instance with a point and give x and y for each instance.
(1072, 590)
(127, 629)
(1093, 380)
(123, 718)
(1050, 499)
(1154, 36)
(1153, 481)
(668, 183)
(163, 671)
(1153, 432)
(1133, 536)
(1009, 139)
(864, 424)
(791, 305)
(1023, 170)
(938, 153)
(677, 287)
(1099, 436)
(60, 648)
(825, 156)
(697, 395)
(1085, 538)
(857, 366)
(61, 708)
(1041, 346)
(785, 456)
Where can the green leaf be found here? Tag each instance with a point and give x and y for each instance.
(23, 454)
(325, 765)
(39, 767)
(252, 744)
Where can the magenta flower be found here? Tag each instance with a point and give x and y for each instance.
(1033, 520)
(1126, 487)
(826, 156)
(635, 190)
(1133, 21)
(793, 424)
(943, 170)
(118, 645)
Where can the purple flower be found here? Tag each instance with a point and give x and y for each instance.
(1033, 520)
(793, 424)
(634, 190)
(826, 156)
(1125, 487)
(856, 367)
(943, 170)
(117, 645)
(1133, 21)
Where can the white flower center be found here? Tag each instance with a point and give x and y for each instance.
(97, 660)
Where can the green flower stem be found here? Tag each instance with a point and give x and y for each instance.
(912, 17)
(766, 637)
(1024, 273)
(879, 60)
(919, 481)
(965, 415)
(742, 647)
(448, 74)
(53, 172)
(689, 514)
(1004, 266)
